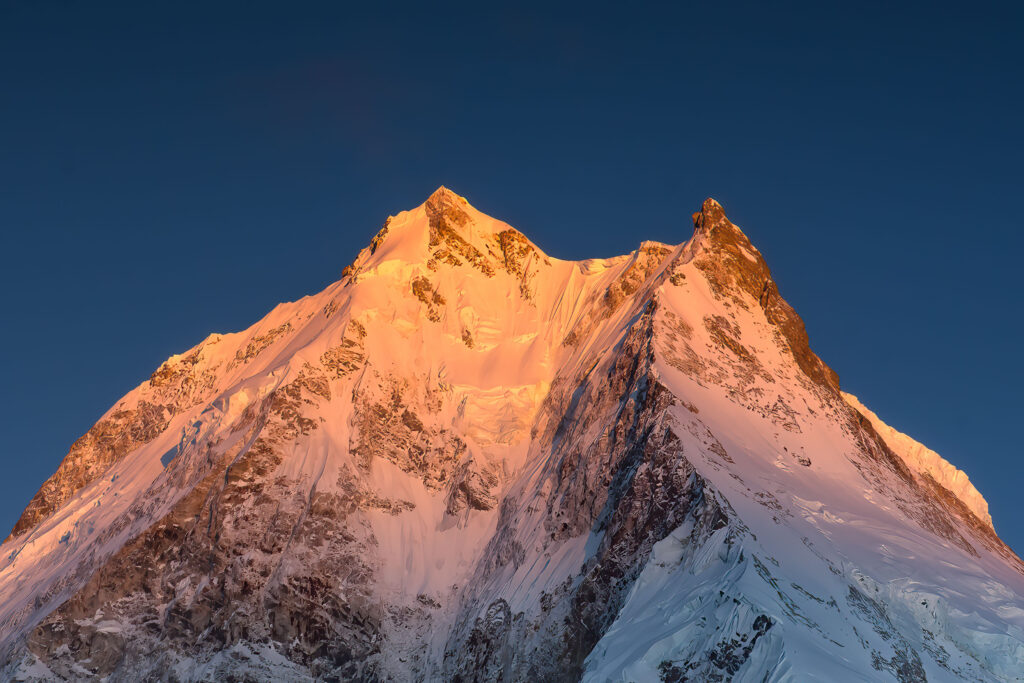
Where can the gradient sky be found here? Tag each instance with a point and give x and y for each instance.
(177, 169)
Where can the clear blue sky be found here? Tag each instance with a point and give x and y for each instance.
(172, 169)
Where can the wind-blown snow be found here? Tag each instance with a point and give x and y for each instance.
(923, 459)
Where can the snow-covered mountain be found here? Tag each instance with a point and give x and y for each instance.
(467, 460)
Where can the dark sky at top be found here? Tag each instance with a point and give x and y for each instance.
(168, 170)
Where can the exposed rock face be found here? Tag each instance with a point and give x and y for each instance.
(178, 384)
(469, 461)
(105, 443)
(732, 264)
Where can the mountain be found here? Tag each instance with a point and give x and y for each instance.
(467, 460)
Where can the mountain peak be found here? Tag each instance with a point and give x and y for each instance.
(443, 196)
(450, 224)
(718, 239)
(710, 212)
(711, 225)
(431, 469)
(446, 230)
(732, 264)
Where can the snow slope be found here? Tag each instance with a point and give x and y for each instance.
(469, 460)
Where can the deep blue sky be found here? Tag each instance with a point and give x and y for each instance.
(174, 170)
